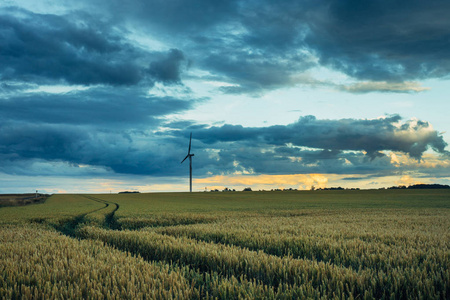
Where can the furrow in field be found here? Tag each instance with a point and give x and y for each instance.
(322, 278)
(354, 253)
(37, 263)
(164, 219)
(101, 216)
(106, 218)
(279, 273)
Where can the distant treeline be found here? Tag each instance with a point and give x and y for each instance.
(129, 192)
(334, 189)
(421, 186)
(19, 195)
(400, 187)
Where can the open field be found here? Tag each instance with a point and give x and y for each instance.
(21, 199)
(384, 244)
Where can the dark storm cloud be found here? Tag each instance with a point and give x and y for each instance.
(168, 68)
(255, 73)
(118, 151)
(346, 146)
(256, 45)
(263, 45)
(171, 16)
(99, 127)
(237, 157)
(120, 108)
(413, 137)
(184, 125)
(139, 147)
(109, 127)
(77, 49)
(382, 40)
(375, 40)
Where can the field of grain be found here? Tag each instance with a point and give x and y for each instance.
(384, 244)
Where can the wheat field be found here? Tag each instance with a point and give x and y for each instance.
(383, 244)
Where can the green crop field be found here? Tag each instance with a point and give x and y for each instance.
(383, 244)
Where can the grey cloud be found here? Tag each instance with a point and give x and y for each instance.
(310, 156)
(379, 41)
(31, 167)
(237, 157)
(256, 73)
(262, 46)
(76, 49)
(173, 16)
(242, 42)
(97, 127)
(49, 142)
(355, 178)
(347, 146)
(411, 137)
(257, 46)
(168, 68)
(307, 146)
(125, 152)
(382, 40)
(121, 108)
(12, 88)
(184, 125)
(46, 48)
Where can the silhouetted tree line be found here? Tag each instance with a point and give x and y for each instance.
(224, 190)
(400, 187)
(420, 186)
(330, 189)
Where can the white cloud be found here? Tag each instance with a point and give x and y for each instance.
(57, 89)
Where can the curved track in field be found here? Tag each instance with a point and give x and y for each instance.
(110, 220)
(69, 227)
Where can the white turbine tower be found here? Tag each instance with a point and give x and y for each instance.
(190, 163)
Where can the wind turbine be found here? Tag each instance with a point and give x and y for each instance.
(190, 163)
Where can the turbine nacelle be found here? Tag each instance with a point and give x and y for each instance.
(189, 155)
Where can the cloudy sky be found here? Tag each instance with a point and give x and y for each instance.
(100, 96)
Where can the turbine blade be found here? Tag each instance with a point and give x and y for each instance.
(190, 140)
(185, 158)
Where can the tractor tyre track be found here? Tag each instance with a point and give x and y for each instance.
(110, 219)
(69, 226)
